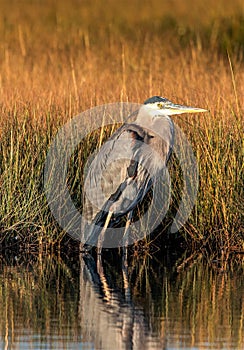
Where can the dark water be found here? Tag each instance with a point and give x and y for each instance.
(158, 302)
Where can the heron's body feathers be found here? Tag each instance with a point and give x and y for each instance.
(128, 164)
(122, 173)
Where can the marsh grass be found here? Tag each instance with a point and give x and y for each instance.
(55, 63)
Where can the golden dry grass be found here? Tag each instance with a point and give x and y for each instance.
(60, 58)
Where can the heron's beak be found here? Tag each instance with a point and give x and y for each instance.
(173, 108)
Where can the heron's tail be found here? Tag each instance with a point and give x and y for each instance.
(91, 234)
(113, 235)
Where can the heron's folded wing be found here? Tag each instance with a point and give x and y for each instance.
(110, 169)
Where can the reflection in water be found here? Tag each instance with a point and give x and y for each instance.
(76, 303)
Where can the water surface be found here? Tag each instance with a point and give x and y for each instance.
(159, 301)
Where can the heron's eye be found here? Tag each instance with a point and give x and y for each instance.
(160, 105)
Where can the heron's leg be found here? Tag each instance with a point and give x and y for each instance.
(101, 236)
(125, 258)
(125, 237)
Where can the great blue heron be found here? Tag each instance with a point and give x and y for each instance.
(127, 165)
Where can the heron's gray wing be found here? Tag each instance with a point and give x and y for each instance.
(119, 177)
(109, 170)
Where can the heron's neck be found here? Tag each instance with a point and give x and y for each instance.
(155, 122)
(148, 117)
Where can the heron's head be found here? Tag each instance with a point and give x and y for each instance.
(157, 106)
